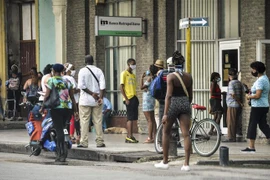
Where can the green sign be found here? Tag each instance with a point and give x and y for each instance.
(118, 26)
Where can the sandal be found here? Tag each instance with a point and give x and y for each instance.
(73, 139)
(148, 140)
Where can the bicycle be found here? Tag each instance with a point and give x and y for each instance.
(205, 144)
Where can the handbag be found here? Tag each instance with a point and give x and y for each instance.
(54, 98)
(182, 83)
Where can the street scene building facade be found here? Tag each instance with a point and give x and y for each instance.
(35, 33)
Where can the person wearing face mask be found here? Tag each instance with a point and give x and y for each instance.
(128, 90)
(215, 100)
(234, 104)
(177, 106)
(74, 123)
(259, 105)
(149, 102)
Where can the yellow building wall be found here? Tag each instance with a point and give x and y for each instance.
(3, 61)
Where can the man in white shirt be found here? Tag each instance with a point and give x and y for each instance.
(91, 81)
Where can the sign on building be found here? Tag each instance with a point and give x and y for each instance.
(118, 26)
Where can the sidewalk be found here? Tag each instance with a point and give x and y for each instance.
(14, 141)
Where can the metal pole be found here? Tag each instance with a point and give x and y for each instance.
(223, 156)
(188, 55)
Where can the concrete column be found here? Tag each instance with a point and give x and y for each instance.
(59, 10)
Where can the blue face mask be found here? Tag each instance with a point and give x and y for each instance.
(218, 79)
(147, 73)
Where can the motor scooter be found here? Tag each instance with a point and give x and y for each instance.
(42, 133)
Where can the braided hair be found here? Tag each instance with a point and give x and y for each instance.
(178, 58)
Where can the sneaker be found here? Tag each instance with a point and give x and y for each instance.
(161, 165)
(185, 168)
(134, 139)
(248, 150)
(101, 145)
(131, 140)
(81, 146)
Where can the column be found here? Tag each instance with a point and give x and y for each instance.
(59, 10)
(3, 52)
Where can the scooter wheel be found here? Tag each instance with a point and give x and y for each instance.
(37, 151)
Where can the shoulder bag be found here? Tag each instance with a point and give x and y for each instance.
(93, 74)
(182, 83)
(53, 100)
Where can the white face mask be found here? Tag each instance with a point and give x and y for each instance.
(133, 67)
(73, 73)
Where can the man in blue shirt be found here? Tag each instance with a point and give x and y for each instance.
(106, 112)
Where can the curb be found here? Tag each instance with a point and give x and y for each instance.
(237, 162)
(89, 154)
(12, 125)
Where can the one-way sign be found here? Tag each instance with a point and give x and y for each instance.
(194, 22)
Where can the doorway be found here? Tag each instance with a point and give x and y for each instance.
(229, 57)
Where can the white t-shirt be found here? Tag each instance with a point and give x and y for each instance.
(44, 86)
(87, 80)
(75, 86)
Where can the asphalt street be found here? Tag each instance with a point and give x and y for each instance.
(23, 167)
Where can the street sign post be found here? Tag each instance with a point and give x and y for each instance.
(187, 23)
(193, 22)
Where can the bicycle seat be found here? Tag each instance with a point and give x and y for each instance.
(198, 107)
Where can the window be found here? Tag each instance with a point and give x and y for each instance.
(28, 26)
(228, 19)
(118, 50)
(229, 60)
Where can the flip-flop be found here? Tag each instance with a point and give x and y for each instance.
(148, 140)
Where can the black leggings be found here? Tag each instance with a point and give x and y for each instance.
(258, 116)
(60, 119)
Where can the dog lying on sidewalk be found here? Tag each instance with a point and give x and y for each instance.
(115, 130)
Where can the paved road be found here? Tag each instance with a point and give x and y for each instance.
(23, 167)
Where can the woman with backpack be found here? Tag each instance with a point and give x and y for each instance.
(32, 85)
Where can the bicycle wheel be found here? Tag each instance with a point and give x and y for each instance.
(203, 143)
(158, 139)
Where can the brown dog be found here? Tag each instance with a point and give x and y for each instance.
(115, 130)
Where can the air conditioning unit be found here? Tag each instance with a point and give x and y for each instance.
(100, 2)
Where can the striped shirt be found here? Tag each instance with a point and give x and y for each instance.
(234, 88)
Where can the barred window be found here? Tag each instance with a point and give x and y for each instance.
(118, 50)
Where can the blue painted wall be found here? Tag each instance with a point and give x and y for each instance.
(46, 33)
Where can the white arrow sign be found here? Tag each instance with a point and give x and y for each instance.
(199, 22)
